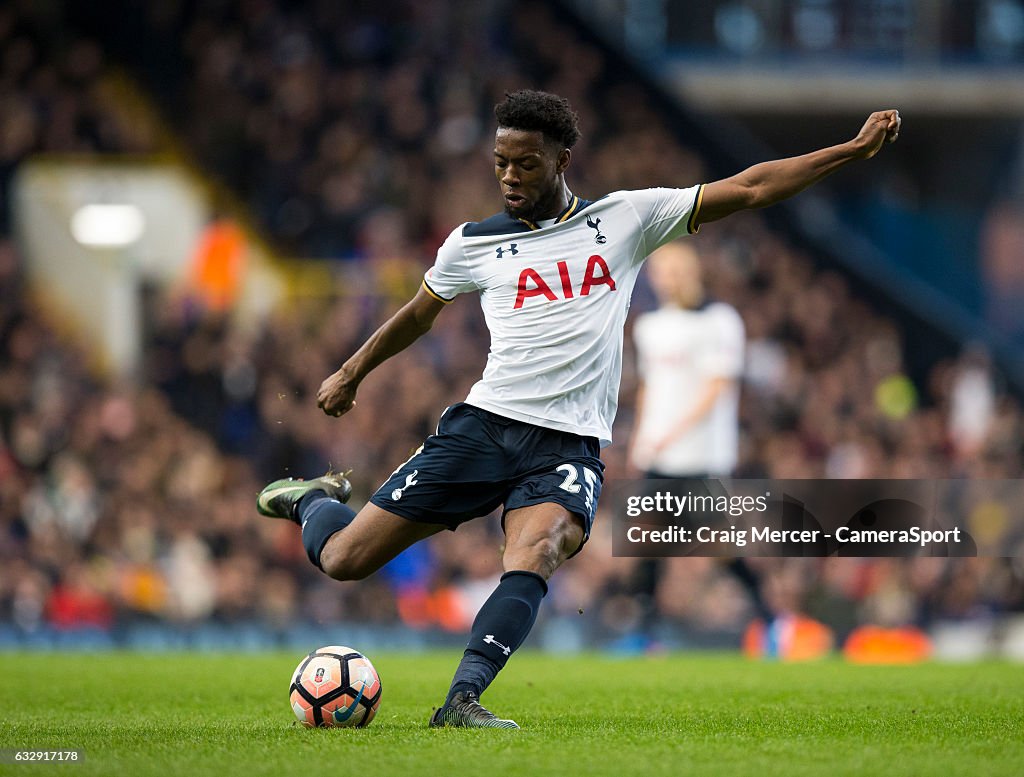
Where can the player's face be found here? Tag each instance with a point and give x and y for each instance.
(529, 170)
(675, 276)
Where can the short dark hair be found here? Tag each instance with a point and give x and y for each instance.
(548, 113)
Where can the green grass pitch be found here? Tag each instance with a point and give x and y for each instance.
(216, 714)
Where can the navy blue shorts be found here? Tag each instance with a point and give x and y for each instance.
(478, 460)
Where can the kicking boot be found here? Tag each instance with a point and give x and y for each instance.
(465, 711)
(280, 499)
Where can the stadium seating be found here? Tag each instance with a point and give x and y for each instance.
(366, 142)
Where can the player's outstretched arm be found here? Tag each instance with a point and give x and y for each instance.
(337, 393)
(770, 182)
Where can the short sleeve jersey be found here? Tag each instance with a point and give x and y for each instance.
(555, 297)
(679, 352)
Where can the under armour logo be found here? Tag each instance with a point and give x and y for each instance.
(511, 249)
(410, 480)
(490, 640)
(592, 223)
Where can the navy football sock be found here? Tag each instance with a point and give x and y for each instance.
(321, 517)
(500, 627)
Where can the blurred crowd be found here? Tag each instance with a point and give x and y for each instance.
(56, 95)
(369, 140)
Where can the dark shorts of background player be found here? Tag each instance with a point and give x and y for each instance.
(478, 460)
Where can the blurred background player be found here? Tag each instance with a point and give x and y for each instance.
(690, 363)
(690, 353)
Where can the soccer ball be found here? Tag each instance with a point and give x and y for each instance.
(335, 686)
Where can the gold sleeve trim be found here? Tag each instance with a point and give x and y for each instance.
(435, 295)
(692, 224)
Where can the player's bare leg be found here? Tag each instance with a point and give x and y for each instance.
(373, 538)
(538, 539)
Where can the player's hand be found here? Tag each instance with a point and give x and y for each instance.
(337, 394)
(644, 452)
(880, 128)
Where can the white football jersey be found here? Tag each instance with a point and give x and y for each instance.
(679, 351)
(555, 298)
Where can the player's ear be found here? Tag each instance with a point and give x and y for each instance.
(563, 160)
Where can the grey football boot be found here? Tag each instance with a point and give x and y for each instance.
(280, 499)
(466, 711)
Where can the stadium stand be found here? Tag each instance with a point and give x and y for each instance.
(123, 507)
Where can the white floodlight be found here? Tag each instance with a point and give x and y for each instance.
(107, 225)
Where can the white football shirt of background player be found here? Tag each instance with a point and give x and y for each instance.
(690, 355)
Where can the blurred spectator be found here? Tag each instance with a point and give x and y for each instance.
(218, 265)
(1002, 246)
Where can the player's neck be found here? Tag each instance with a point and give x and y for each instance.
(684, 303)
(559, 203)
